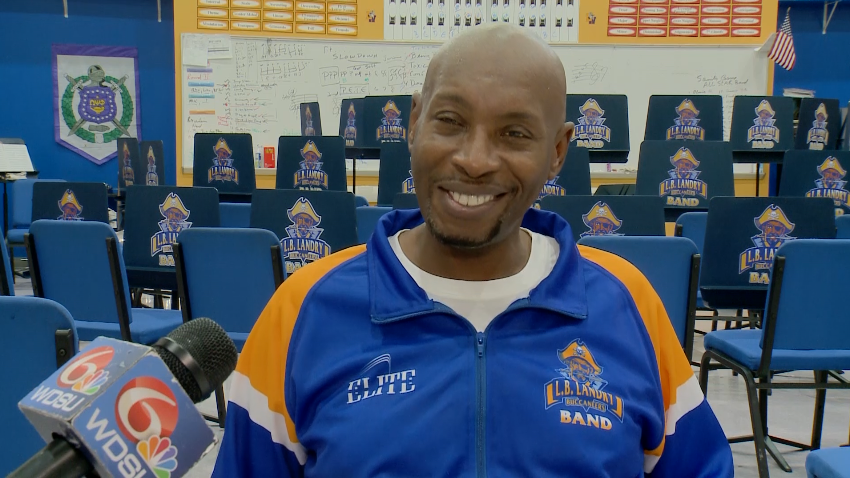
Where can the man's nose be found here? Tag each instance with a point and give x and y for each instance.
(477, 156)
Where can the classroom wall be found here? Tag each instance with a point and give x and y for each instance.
(30, 27)
(823, 61)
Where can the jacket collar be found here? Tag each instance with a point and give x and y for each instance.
(394, 295)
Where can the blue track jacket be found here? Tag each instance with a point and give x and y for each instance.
(351, 371)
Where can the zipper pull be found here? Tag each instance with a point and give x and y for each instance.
(480, 344)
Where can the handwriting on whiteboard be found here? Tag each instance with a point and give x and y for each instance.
(588, 73)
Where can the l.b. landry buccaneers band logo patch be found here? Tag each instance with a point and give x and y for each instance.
(350, 133)
(763, 134)
(222, 168)
(687, 124)
(831, 184)
(70, 207)
(310, 175)
(590, 132)
(683, 185)
(581, 387)
(601, 221)
(391, 129)
(818, 135)
(774, 227)
(303, 244)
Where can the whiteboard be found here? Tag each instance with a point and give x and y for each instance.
(259, 89)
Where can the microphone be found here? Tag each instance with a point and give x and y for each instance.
(127, 410)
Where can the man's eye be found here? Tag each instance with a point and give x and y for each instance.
(516, 134)
(448, 120)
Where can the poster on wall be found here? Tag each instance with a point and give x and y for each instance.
(95, 98)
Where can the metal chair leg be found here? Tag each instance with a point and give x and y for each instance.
(759, 437)
(820, 403)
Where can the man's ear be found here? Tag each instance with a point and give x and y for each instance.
(415, 112)
(565, 135)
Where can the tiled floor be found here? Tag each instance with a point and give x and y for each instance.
(790, 416)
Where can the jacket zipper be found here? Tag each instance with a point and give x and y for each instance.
(480, 406)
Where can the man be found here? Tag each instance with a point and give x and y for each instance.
(467, 345)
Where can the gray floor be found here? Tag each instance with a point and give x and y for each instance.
(790, 416)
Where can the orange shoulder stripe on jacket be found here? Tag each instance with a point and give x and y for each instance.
(674, 368)
(264, 355)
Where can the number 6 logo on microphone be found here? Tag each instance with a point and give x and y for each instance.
(146, 411)
(86, 374)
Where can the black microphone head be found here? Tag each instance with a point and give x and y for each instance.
(211, 357)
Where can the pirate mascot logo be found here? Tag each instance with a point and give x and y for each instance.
(175, 217)
(350, 132)
(128, 174)
(70, 207)
(831, 184)
(763, 134)
(601, 221)
(311, 177)
(222, 168)
(391, 129)
(818, 136)
(683, 180)
(308, 123)
(687, 124)
(590, 132)
(151, 178)
(303, 244)
(774, 228)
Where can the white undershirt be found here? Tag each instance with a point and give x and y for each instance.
(481, 301)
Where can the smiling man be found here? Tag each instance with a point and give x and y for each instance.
(474, 338)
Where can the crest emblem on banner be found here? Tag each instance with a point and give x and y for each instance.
(96, 92)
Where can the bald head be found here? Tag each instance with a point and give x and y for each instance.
(502, 51)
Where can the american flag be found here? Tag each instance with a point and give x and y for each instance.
(782, 51)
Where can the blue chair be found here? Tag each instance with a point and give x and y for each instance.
(795, 336)
(78, 264)
(7, 285)
(233, 289)
(234, 214)
(20, 215)
(842, 227)
(360, 201)
(51, 340)
(829, 463)
(671, 264)
(367, 219)
(692, 226)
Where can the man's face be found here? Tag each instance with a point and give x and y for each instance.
(482, 146)
(773, 231)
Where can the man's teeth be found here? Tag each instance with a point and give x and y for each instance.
(469, 200)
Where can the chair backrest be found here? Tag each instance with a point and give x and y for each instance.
(367, 219)
(387, 119)
(820, 124)
(845, 145)
(806, 318)
(155, 215)
(311, 224)
(677, 117)
(315, 163)
(687, 174)
(762, 123)
(231, 289)
(668, 264)
(351, 122)
(20, 202)
(574, 178)
(394, 175)
(224, 161)
(28, 331)
(741, 239)
(233, 214)
(842, 227)
(152, 163)
(70, 201)
(816, 174)
(360, 201)
(609, 215)
(405, 201)
(693, 227)
(602, 125)
(70, 265)
(7, 285)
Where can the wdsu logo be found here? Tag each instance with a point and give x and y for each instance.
(590, 132)
(303, 244)
(774, 227)
(310, 175)
(683, 185)
(70, 207)
(146, 413)
(175, 214)
(582, 387)
(391, 129)
(84, 376)
(763, 134)
(831, 184)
